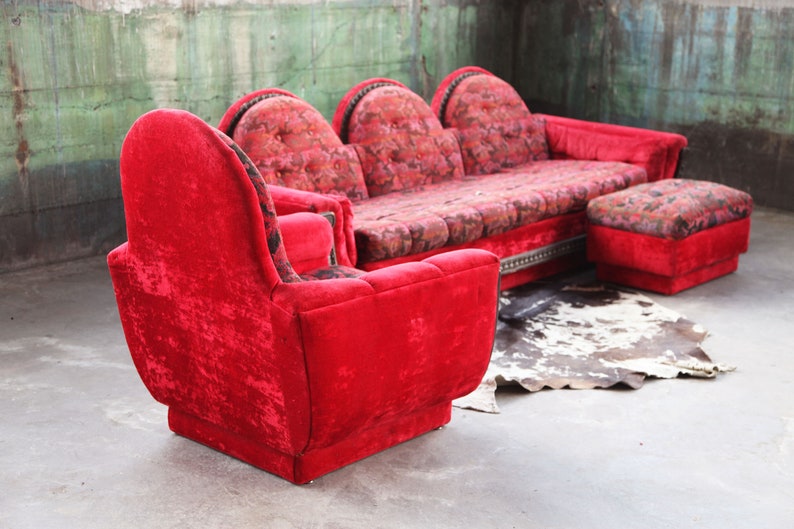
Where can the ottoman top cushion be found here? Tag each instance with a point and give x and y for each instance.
(671, 209)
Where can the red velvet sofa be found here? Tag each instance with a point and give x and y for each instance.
(259, 347)
(474, 169)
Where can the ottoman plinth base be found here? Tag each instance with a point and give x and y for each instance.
(664, 265)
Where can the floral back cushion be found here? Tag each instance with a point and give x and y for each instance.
(496, 129)
(293, 145)
(388, 110)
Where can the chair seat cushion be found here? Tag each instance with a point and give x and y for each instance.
(670, 209)
(456, 212)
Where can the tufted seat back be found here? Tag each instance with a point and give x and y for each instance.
(401, 144)
(293, 145)
(496, 129)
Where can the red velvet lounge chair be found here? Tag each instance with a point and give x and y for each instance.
(298, 372)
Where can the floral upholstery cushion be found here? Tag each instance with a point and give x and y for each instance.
(568, 185)
(400, 142)
(671, 209)
(293, 145)
(331, 170)
(457, 212)
(497, 130)
(404, 161)
(388, 110)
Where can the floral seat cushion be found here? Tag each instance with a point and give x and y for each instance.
(670, 209)
(568, 185)
(456, 212)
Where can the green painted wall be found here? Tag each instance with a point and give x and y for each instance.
(719, 72)
(75, 75)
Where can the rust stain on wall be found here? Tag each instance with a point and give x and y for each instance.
(18, 91)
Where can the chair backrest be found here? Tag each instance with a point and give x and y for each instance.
(198, 213)
(400, 142)
(292, 145)
(496, 129)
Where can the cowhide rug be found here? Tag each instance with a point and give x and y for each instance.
(587, 336)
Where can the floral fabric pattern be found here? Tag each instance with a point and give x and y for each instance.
(671, 209)
(455, 212)
(389, 110)
(293, 145)
(331, 171)
(400, 142)
(496, 129)
(568, 185)
(332, 272)
(405, 161)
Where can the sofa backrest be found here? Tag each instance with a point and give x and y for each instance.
(496, 129)
(293, 146)
(400, 142)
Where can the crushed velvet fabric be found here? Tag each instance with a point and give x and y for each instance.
(671, 209)
(296, 377)
(664, 265)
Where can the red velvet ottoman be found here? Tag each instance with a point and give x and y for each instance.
(669, 235)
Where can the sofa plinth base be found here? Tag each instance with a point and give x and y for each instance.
(559, 265)
(315, 462)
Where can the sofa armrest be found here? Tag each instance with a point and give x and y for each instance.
(656, 151)
(289, 200)
(308, 240)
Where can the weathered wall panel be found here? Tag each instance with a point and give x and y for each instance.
(719, 72)
(77, 74)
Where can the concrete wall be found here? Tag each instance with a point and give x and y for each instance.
(720, 72)
(75, 75)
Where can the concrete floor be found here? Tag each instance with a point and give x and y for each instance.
(83, 445)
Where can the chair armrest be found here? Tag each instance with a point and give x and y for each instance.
(308, 240)
(397, 339)
(289, 200)
(656, 151)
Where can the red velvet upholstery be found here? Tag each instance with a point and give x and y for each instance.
(670, 235)
(296, 377)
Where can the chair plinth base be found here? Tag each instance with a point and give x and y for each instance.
(316, 462)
